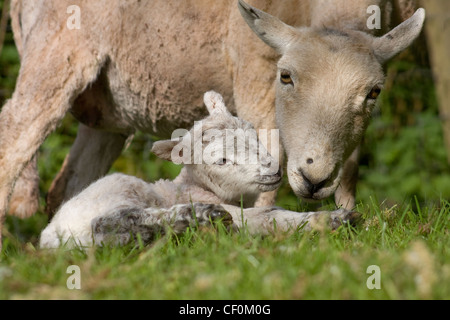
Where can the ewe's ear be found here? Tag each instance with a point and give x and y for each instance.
(214, 103)
(269, 29)
(163, 149)
(400, 38)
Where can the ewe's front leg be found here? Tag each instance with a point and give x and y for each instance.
(48, 82)
(25, 198)
(254, 92)
(123, 226)
(90, 158)
(256, 104)
(266, 220)
(345, 194)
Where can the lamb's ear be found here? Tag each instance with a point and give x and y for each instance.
(163, 149)
(269, 29)
(214, 103)
(400, 38)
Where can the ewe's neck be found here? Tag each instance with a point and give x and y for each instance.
(190, 190)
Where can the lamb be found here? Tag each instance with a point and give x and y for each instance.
(90, 72)
(116, 207)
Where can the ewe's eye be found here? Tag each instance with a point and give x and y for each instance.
(374, 93)
(286, 77)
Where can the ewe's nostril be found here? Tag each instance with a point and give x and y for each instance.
(309, 161)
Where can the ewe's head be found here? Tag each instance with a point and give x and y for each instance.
(327, 85)
(222, 153)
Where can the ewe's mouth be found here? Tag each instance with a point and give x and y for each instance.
(301, 189)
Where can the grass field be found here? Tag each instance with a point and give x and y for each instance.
(402, 243)
(409, 248)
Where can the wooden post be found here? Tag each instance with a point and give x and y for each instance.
(438, 37)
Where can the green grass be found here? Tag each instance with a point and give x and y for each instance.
(411, 249)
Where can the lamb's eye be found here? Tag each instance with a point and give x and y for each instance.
(374, 93)
(285, 77)
(222, 162)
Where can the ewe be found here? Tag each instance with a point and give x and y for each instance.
(117, 207)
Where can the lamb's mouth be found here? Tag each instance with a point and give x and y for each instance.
(269, 183)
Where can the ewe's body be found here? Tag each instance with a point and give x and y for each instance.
(145, 64)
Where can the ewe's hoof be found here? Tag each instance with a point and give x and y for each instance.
(343, 216)
(23, 207)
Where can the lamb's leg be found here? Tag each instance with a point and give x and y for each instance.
(49, 80)
(25, 198)
(266, 220)
(123, 226)
(90, 158)
(345, 194)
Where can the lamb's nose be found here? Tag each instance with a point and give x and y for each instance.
(266, 164)
(271, 168)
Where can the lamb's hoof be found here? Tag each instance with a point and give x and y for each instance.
(342, 216)
(212, 213)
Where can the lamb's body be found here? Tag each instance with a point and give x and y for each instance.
(197, 183)
(116, 208)
(111, 195)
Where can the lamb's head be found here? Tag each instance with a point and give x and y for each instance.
(223, 154)
(327, 85)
